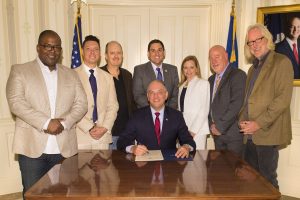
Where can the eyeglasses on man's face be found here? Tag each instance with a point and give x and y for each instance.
(257, 41)
(49, 47)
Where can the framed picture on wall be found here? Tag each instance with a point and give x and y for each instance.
(284, 24)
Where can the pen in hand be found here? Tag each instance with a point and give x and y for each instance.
(141, 149)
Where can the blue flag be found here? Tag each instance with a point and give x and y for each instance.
(77, 42)
(232, 48)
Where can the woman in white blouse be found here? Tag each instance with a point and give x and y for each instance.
(193, 100)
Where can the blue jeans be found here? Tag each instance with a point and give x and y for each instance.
(263, 158)
(32, 169)
(113, 145)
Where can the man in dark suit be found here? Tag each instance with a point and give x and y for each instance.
(156, 126)
(290, 46)
(227, 86)
(155, 69)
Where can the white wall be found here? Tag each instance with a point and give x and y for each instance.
(21, 21)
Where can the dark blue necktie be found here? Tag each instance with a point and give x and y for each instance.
(159, 75)
(93, 83)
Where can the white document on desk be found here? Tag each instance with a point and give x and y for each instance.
(152, 155)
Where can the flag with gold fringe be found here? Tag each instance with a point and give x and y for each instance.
(232, 47)
(77, 42)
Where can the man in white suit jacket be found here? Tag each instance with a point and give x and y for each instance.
(47, 100)
(96, 133)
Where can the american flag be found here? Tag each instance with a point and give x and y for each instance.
(77, 42)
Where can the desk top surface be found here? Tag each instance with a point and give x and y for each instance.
(114, 175)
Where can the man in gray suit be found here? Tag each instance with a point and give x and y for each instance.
(47, 99)
(227, 86)
(155, 69)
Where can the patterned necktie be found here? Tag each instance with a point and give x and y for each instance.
(216, 85)
(159, 75)
(295, 52)
(157, 127)
(93, 83)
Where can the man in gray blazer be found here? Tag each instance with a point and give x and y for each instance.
(155, 69)
(227, 86)
(47, 99)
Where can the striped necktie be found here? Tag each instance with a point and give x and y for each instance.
(216, 85)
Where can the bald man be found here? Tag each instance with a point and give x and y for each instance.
(156, 126)
(227, 86)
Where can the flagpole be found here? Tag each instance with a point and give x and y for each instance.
(232, 47)
(234, 21)
(76, 58)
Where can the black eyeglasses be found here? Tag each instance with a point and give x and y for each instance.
(257, 41)
(49, 47)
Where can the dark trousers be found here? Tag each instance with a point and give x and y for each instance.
(236, 146)
(32, 169)
(263, 158)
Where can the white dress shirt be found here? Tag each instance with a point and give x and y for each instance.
(50, 78)
(291, 43)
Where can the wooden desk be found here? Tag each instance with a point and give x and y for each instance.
(112, 175)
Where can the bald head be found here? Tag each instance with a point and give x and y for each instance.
(218, 58)
(157, 94)
(113, 43)
(156, 84)
(218, 48)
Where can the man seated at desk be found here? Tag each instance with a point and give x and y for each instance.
(156, 126)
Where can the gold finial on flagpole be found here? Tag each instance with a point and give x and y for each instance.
(78, 4)
(232, 7)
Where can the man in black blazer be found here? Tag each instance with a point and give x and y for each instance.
(123, 87)
(227, 86)
(142, 126)
(291, 41)
(147, 72)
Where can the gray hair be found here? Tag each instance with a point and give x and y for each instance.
(266, 33)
